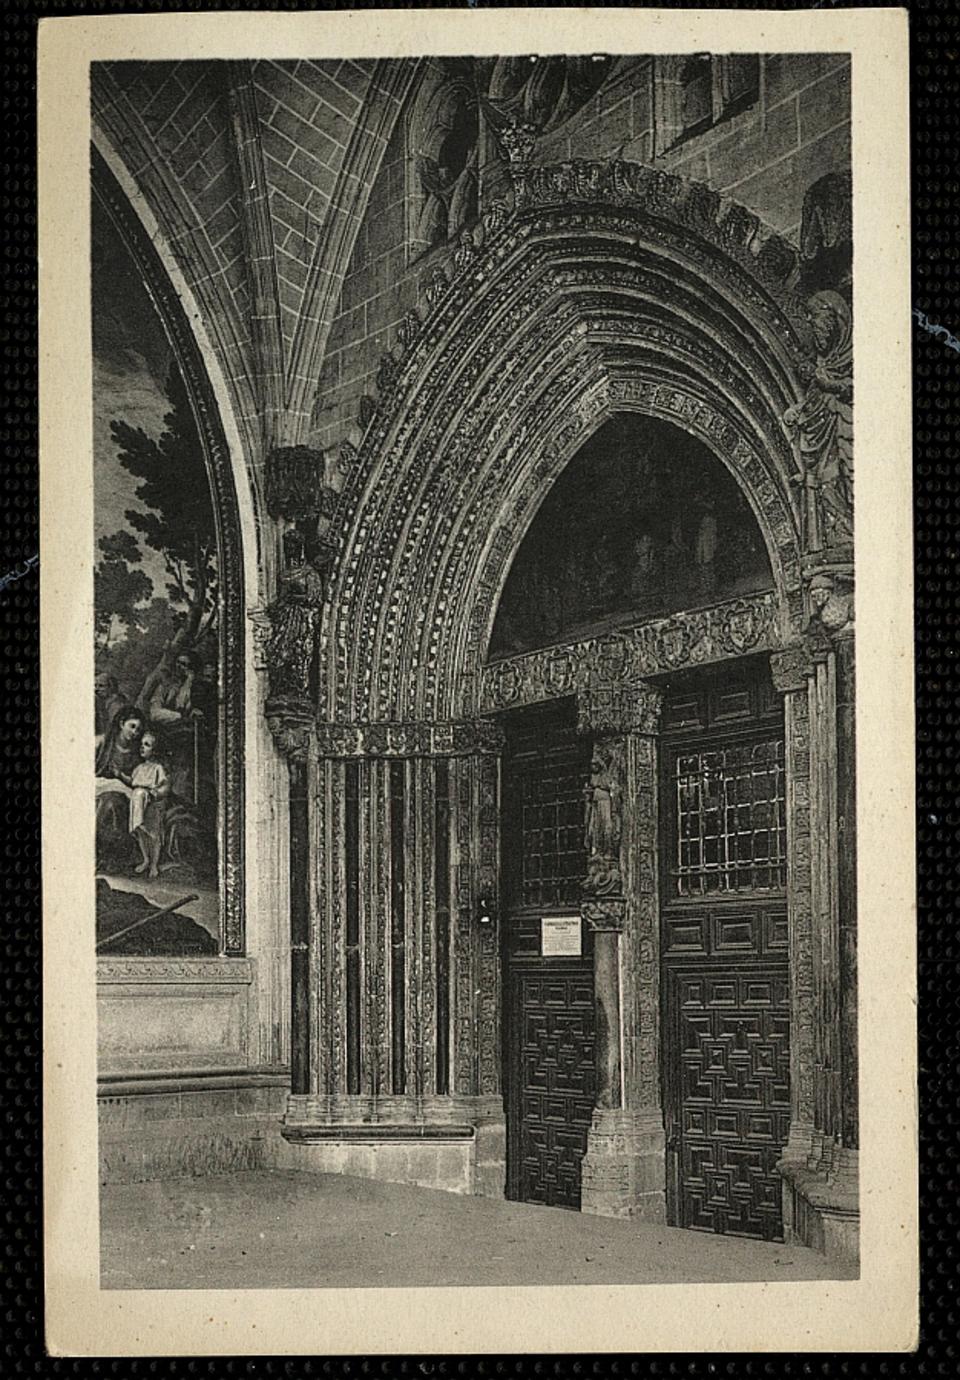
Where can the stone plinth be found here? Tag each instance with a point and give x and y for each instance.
(623, 1172)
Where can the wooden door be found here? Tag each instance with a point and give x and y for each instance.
(549, 1063)
(725, 989)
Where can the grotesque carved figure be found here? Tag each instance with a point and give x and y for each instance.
(823, 424)
(832, 606)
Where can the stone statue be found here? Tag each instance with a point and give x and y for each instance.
(823, 424)
(295, 619)
(604, 823)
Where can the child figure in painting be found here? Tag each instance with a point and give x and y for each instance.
(151, 786)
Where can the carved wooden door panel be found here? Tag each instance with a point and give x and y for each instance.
(730, 1111)
(556, 1083)
(549, 1057)
(725, 992)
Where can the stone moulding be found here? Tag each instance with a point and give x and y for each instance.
(141, 971)
(685, 208)
(453, 470)
(454, 739)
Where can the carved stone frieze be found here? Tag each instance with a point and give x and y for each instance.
(451, 739)
(685, 639)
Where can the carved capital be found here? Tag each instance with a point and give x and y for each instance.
(604, 916)
(606, 709)
(291, 722)
(791, 668)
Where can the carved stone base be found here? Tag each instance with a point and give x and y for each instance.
(821, 1204)
(624, 1170)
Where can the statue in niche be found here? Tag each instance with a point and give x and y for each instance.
(295, 616)
(604, 822)
(823, 424)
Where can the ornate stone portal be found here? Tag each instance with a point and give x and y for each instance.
(394, 773)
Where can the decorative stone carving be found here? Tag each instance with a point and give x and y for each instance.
(826, 232)
(493, 218)
(448, 739)
(387, 374)
(294, 483)
(692, 639)
(435, 286)
(604, 915)
(605, 709)
(791, 668)
(823, 425)
(291, 723)
(831, 598)
(551, 398)
(408, 330)
(295, 620)
(466, 251)
(262, 633)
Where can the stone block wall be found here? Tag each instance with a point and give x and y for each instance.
(764, 157)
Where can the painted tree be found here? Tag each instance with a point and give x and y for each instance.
(174, 519)
(120, 591)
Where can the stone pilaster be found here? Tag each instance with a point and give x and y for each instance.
(818, 1167)
(623, 1171)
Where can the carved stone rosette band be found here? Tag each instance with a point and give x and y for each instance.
(624, 1167)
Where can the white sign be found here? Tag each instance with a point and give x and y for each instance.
(560, 936)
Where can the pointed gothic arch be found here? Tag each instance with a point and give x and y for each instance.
(599, 308)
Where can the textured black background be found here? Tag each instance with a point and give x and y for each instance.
(935, 45)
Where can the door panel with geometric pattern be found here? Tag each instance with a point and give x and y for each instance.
(548, 1044)
(724, 945)
(557, 1084)
(730, 1110)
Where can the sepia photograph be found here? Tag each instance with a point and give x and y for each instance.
(474, 654)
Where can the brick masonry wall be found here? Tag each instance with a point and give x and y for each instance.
(765, 157)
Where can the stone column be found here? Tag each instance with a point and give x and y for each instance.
(623, 1172)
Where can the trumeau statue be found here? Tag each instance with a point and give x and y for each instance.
(604, 823)
(823, 424)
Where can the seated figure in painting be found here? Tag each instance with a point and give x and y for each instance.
(150, 788)
(118, 755)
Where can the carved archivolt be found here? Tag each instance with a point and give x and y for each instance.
(567, 315)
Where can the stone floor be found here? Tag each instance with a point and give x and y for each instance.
(273, 1229)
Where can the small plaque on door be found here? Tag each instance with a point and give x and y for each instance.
(560, 936)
